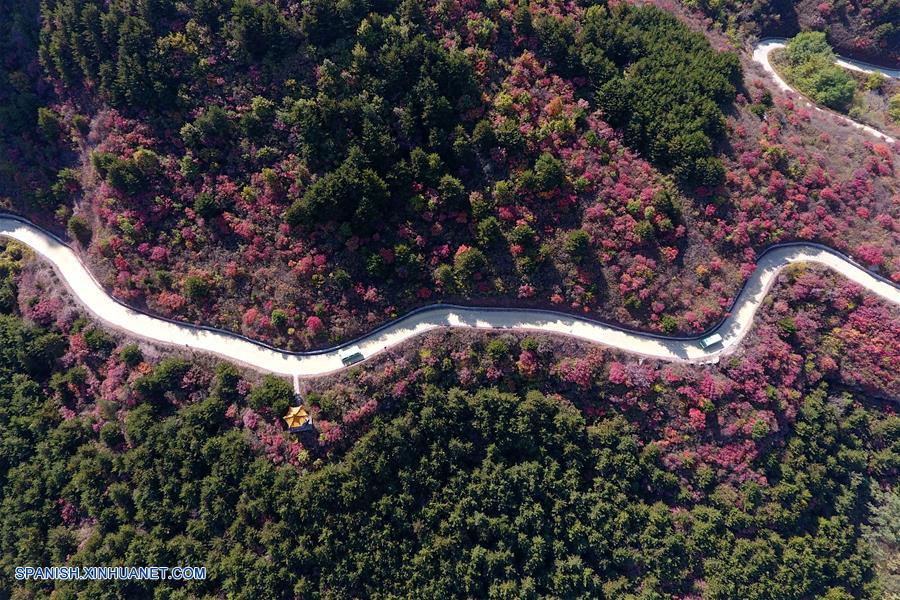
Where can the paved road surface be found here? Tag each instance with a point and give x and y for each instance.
(242, 350)
(761, 55)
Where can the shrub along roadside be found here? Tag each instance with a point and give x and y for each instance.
(810, 66)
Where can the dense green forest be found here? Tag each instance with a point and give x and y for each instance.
(476, 493)
(30, 159)
(389, 101)
(663, 85)
(387, 152)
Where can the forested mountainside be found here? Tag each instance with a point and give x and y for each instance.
(300, 174)
(462, 465)
(302, 171)
(865, 29)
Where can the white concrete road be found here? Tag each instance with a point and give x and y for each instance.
(238, 349)
(764, 48)
(242, 350)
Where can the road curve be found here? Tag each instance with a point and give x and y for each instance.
(765, 47)
(239, 349)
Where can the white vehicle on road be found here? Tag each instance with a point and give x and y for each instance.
(711, 340)
(350, 356)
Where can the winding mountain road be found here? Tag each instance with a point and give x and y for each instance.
(239, 349)
(764, 48)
